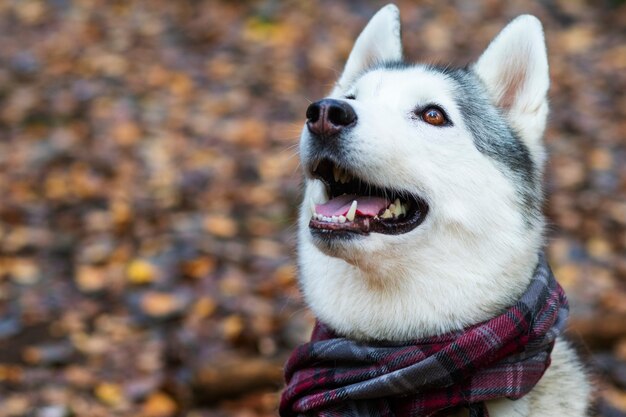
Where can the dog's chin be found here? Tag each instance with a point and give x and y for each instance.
(343, 245)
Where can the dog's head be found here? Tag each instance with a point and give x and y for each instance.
(422, 206)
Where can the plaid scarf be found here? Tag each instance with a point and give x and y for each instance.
(505, 356)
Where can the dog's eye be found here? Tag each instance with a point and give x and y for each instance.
(434, 116)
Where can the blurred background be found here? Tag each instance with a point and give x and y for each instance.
(149, 184)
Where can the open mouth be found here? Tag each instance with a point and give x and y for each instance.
(357, 207)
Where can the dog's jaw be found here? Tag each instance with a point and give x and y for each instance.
(424, 283)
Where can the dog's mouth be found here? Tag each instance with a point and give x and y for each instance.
(355, 206)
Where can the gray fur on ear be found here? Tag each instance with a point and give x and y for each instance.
(514, 69)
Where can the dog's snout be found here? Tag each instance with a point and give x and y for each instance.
(328, 117)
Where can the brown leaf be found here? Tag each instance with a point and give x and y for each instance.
(159, 404)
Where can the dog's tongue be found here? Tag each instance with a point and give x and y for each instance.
(339, 206)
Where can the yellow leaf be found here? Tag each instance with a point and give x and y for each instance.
(109, 393)
(141, 272)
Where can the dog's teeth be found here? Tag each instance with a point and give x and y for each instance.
(324, 196)
(397, 209)
(336, 173)
(319, 193)
(335, 219)
(312, 207)
(352, 212)
(341, 219)
(387, 214)
(315, 165)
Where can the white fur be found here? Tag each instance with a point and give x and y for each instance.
(474, 254)
(379, 41)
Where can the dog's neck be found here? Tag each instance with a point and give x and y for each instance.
(407, 297)
(503, 357)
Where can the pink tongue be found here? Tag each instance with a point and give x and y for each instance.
(339, 206)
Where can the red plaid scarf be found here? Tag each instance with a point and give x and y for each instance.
(505, 356)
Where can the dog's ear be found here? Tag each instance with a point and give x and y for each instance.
(380, 41)
(514, 68)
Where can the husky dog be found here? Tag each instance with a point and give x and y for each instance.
(422, 204)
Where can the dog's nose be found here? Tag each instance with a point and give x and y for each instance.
(328, 117)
